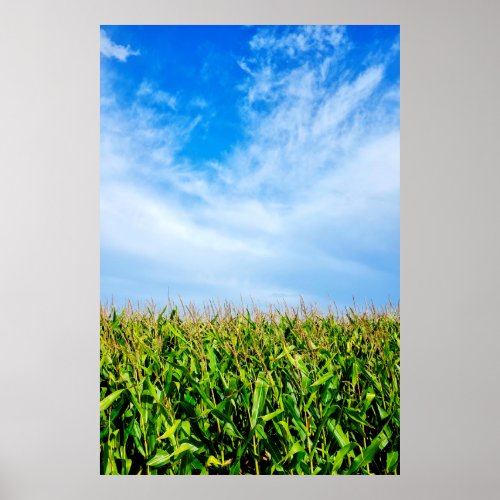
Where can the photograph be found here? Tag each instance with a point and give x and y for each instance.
(249, 225)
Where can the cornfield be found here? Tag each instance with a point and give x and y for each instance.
(229, 390)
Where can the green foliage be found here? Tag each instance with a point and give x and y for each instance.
(228, 391)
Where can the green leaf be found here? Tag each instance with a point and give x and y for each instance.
(270, 416)
(338, 433)
(293, 412)
(370, 396)
(161, 458)
(152, 390)
(133, 397)
(215, 461)
(184, 447)
(354, 415)
(229, 425)
(296, 448)
(382, 412)
(109, 400)
(366, 456)
(392, 460)
(322, 379)
(259, 397)
(170, 431)
(327, 414)
(339, 456)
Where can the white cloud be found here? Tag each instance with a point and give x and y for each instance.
(147, 89)
(303, 39)
(111, 49)
(199, 102)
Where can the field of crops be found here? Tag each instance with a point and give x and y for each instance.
(233, 391)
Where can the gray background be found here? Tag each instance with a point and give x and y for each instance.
(49, 266)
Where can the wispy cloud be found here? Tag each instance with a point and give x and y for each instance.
(113, 50)
(148, 90)
(306, 204)
(299, 40)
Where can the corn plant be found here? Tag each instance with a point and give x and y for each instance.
(238, 391)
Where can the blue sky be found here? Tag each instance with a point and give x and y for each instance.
(250, 163)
